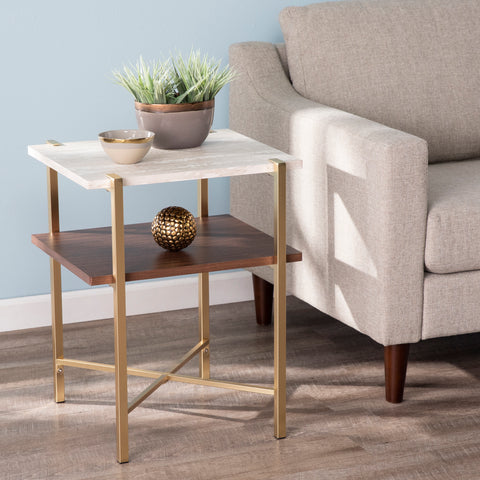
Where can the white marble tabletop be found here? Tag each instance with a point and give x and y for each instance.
(225, 153)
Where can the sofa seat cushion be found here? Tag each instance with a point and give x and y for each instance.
(409, 64)
(453, 222)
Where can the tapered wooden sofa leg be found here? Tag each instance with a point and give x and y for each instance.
(396, 360)
(263, 294)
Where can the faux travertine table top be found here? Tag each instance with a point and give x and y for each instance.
(225, 153)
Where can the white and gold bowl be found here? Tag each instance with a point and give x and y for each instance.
(126, 146)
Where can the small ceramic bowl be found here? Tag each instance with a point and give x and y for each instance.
(126, 146)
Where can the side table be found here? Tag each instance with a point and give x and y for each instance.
(121, 253)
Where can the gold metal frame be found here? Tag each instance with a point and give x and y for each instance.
(120, 368)
(280, 292)
(56, 289)
(203, 289)
(119, 316)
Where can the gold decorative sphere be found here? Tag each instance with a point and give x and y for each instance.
(174, 228)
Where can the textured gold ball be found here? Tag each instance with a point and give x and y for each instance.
(174, 228)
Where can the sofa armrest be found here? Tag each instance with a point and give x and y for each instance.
(357, 210)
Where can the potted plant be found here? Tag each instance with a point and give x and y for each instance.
(175, 99)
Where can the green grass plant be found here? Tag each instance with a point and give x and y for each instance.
(177, 80)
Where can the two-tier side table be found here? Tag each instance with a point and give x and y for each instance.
(121, 253)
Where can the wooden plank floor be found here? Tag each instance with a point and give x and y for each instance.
(339, 426)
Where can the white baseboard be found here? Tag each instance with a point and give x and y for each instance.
(97, 303)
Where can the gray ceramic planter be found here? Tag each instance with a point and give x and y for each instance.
(185, 125)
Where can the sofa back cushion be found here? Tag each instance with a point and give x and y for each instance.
(413, 65)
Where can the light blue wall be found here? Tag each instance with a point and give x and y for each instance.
(56, 63)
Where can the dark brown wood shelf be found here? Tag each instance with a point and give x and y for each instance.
(222, 243)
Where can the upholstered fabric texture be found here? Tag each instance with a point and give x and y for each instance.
(453, 224)
(451, 304)
(410, 64)
(357, 209)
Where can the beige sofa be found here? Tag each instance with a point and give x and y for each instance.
(381, 100)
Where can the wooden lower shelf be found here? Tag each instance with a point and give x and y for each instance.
(222, 243)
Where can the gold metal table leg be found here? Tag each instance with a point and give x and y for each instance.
(120, 320)
(203, 289)
(55, 289)
(280, 342)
